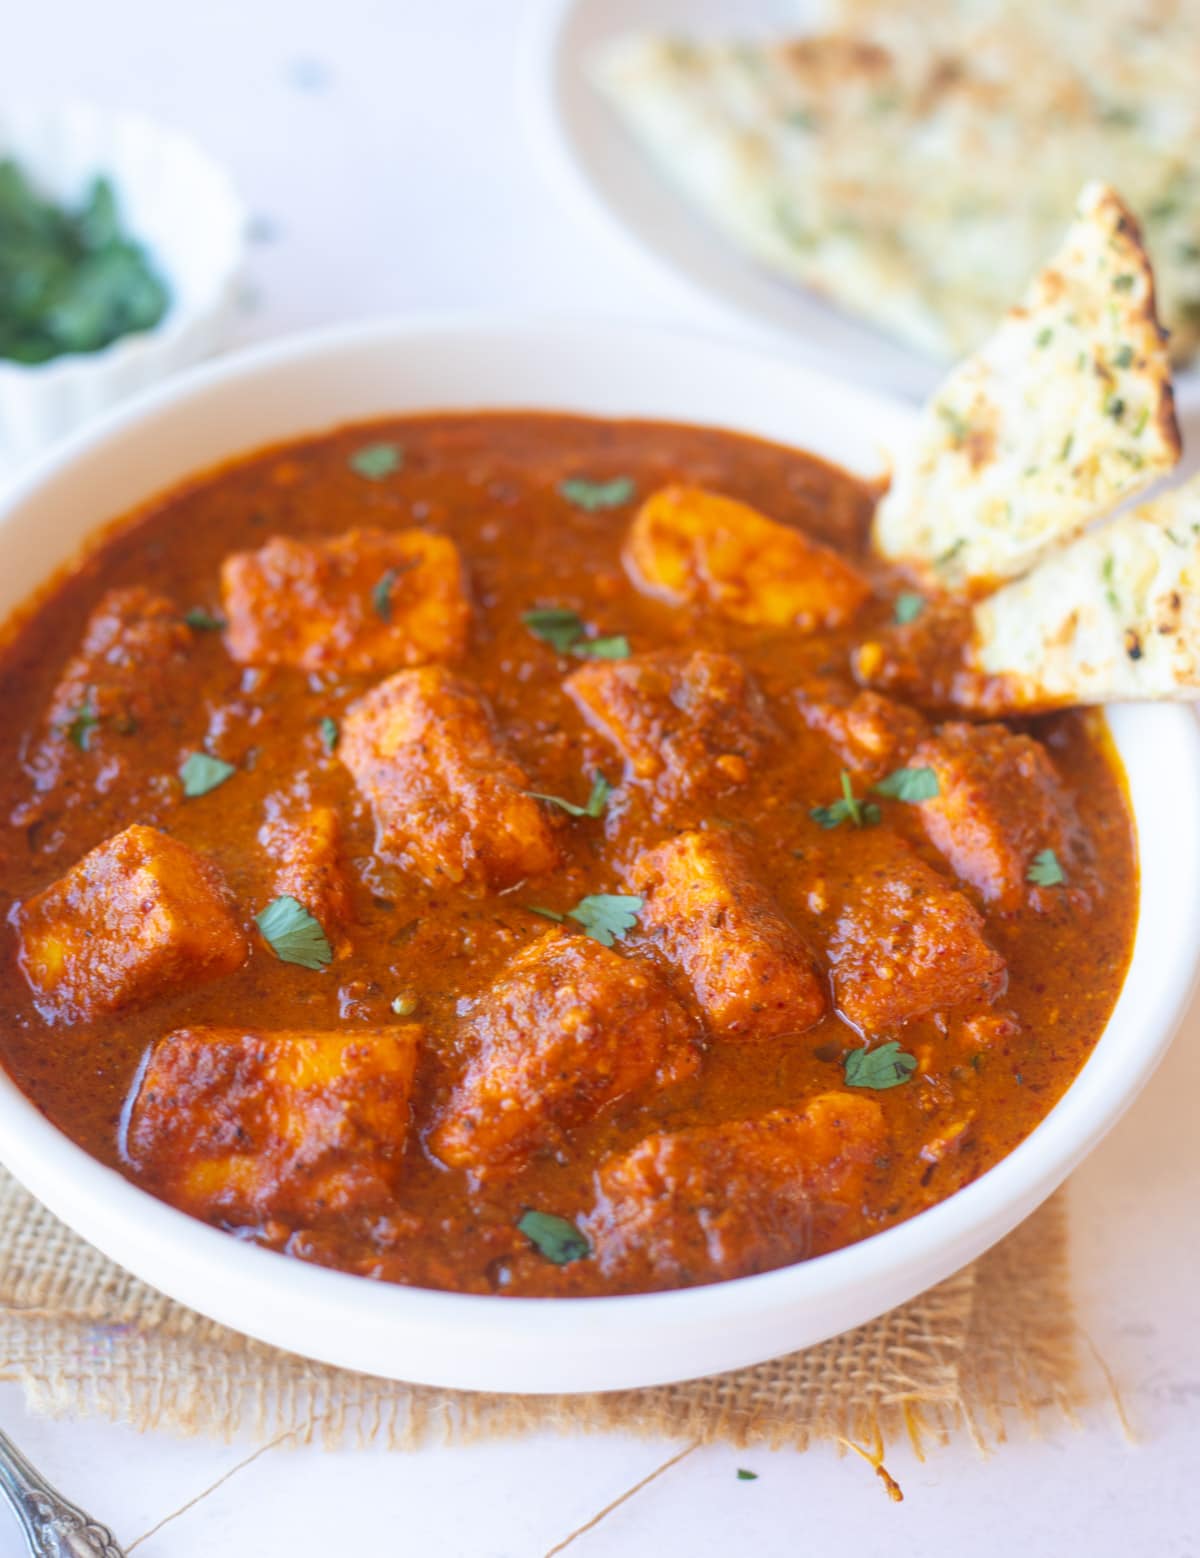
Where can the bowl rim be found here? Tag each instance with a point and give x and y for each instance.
(291, 1304)
(179, 319)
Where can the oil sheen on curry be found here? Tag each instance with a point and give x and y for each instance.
(455, 850)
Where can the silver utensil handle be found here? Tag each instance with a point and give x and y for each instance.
(53, 1526)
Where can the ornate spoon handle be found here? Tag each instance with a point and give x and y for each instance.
(53, 1526)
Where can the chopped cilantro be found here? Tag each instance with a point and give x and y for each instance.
(293, 935)
(1045, 871)
(1045, 335)
(70, 280)
(375, 461)
(908, 607)
(331, 733)
(564, 631)
(746, 1476)
(1114, 407)
(863, 814)
(554, 1237)
(594, 806)
(202, 773)
(955, 422)
(1123, 283)
(909, 784)
(592, 496)
(381, 595)
(204, 621)
(606, 917)
(79, 728)
(1068, 445)
(1123, 356)
(1108, 571)
(880, 1068)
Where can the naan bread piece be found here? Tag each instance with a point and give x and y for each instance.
(1066, 412)
(1114, 616)
(914, 162)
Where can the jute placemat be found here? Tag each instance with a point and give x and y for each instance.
(84, 1337)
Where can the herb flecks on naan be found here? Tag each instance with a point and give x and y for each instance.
(914, 163)
(1114, 616)
(1063, 414)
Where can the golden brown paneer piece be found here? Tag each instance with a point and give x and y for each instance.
(907, 944)
(688, 545)
(115, 684)
(569, 1028)
(448, 802)
(691, 724)
(871, 734)
(718, 1201)
(237, 1126)
(750, 970)
(304, 844)
(369, 600)
(1000, 802)
(140, 917)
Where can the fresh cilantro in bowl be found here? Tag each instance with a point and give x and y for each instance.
(70, 280)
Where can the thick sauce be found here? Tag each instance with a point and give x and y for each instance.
(492, 484)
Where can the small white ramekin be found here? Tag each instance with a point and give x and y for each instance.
(173, 199)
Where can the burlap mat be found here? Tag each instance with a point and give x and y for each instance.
(84, 1337)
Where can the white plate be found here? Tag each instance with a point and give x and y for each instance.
(514, 1344)
(599, 171)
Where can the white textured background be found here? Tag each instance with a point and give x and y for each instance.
(379, 143)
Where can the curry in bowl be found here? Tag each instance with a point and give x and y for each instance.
(460, 851)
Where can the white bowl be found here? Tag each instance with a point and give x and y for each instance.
(515, 1344)
(594, 165)
(172, 198)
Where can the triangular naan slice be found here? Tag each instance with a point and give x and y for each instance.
(1065, 412)
(1113, 616)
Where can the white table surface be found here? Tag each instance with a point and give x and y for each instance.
(381, 140)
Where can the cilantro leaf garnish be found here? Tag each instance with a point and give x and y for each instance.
(330, 733)
(908, 784)
(1044, 870)
(886, 1066)
(596, 801)
(908, 607)
(564, 631)
(557, 626)
(381, 595)
(202, 773)
(606, 917)
(204, 621)
(863, 814)
(554, 1237)
(292, 934)
(591, 496)
(375, 461)
(746, 1476)
(79, 728)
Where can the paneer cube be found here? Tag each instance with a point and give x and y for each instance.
(1000, 802)
(303, 842)
(872, 735)
(448, 802)
(750, 970)
(139, 918)
(691, 726)
(719, 1201)
(687, 545)
(907, 944)
(569, 1028)
(117, 684)
(236, 1126)
(369, 600)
